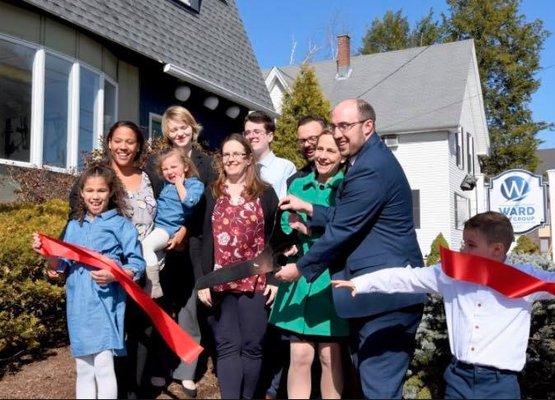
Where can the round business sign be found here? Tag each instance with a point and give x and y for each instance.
(521, 196)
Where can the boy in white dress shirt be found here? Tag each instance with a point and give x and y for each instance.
(488, 332)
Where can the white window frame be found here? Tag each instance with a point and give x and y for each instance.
(470, 153)
(37, 107)
(73, 125)
(462, 211)
(193, 4)
(459, 148)
(116, 94)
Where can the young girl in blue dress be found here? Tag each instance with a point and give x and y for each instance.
(95, 301)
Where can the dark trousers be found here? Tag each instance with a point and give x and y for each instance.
(238, 323)
(146, 352)
(466, 381)
(273, 380)
(188, 321)
(177, 282)
(382, 346)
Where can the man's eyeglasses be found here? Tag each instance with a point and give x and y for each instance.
(346, 126)
(310, 139)
(254, 132)
(233, 156)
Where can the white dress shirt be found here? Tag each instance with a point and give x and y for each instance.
(485, 328)
(275, 171)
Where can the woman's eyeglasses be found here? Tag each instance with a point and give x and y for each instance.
(233, 156)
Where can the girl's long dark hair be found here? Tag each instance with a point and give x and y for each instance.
(117, 197)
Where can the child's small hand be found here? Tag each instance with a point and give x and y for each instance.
(345, 284)
(179, 179)
(37, 242)
(53, 274)
(177, 242)
(102, 277)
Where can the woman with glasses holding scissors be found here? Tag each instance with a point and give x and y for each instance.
(238, 224)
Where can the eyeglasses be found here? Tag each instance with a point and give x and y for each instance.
(310, 139)
(346, 126)
(254, 132)
(233, 156)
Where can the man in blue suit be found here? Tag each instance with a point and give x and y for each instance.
(370, 228)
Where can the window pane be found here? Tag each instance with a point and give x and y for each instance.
(416, 208)
(16, 77)
(155, 126)
(56, 110)
(88, 92)
(459, 147)
(470, 147)
(109, 106)
(462, 211)
(544, 246)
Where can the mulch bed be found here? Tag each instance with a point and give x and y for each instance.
(53, 377)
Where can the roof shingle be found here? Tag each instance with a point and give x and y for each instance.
(211, 44)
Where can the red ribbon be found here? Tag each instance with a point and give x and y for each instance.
(503, 278)
(177, 339)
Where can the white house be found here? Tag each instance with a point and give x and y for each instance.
(430, 112)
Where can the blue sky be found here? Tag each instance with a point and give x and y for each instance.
(273, 26)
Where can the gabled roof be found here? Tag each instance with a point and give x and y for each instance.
(209, 48)
(275, 74)
(547, 160)
(412, 90)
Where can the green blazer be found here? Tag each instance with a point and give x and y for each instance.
(302, 307)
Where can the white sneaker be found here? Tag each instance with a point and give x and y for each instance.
(188, 384)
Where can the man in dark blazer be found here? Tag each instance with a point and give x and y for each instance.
(370, 228)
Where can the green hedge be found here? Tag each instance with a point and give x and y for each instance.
(32, 309)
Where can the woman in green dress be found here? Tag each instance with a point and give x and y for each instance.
(305, 311)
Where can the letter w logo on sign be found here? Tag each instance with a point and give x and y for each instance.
(514, 188)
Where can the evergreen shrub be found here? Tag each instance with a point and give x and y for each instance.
(306, 98)
(32, 316)
(536, 380)
(525, 245)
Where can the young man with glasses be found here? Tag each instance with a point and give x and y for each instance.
(309, 129)
(370, 228)
(259, 131)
